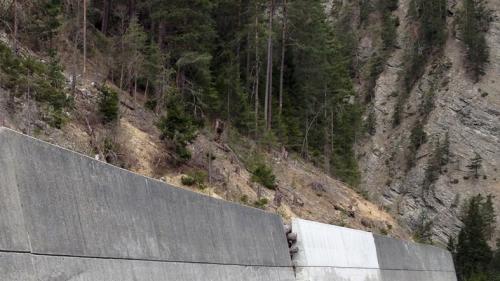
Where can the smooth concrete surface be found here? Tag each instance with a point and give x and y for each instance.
(323, 245)
(89, 269)
(332, 253)
(305, 273)
(13, 235)
(397, 254)
(16, 267)
(65, 216)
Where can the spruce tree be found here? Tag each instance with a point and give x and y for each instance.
(473, 22)
(475, 165)
(473, 254)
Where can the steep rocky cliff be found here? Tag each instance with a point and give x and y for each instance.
(465, 113)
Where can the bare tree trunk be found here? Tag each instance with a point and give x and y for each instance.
(105, 16)
(131, 8)
(210, 164)
(332, 134)
(28, 111)
(75, 52)
(14, 7)
(283, 48)
(326, 134)
(161, 33)
(84, 36)
(247, 63)
(257, 70)
(135, 88)
(269, 82)
(121, 77)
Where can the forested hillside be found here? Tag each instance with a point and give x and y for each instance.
(278, 72)
(321, 106)
(252, 101)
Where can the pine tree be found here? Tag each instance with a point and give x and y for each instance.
(475, 165)
(473, 254)
(495, 264)
(423, 231)
(473, 22)
(489, 216)
(134, 47)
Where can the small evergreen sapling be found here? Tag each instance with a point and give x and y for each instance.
(475, 165)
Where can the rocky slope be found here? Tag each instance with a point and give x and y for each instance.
(468, 112)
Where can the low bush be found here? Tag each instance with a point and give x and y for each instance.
(263, 174)
(262, 203)
(195, 177)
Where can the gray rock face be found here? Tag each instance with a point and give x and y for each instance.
(468, 112)
(64, 216)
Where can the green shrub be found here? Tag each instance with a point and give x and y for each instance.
(376, 66)
(264, 175)
(244, 199)
(151, 104)
(262, 203)
(423, 229)
(108, 105)
(417, 138)
(389, 30)
(188, 181)
(195, 177)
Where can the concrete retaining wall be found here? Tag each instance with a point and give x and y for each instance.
(332, 253)
(64, 216)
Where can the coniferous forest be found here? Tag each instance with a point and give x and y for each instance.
(277, 71)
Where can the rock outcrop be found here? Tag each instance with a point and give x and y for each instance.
(467, 112)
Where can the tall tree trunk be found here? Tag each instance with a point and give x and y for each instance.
(269, 77)
(84, 37)
(105, 16)
(14, 7)
(283, 48)
(131, 9)
(326, 136)
(257, 70)
(161, 33)
(247, 63)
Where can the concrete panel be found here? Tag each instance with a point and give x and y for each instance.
(76, 206)
(397, 254)
(13, 235)
(406, 275)
(90, 269)
(338, 274)
(328, 245)
(16, 267)
(214, 231)
(331, 253)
